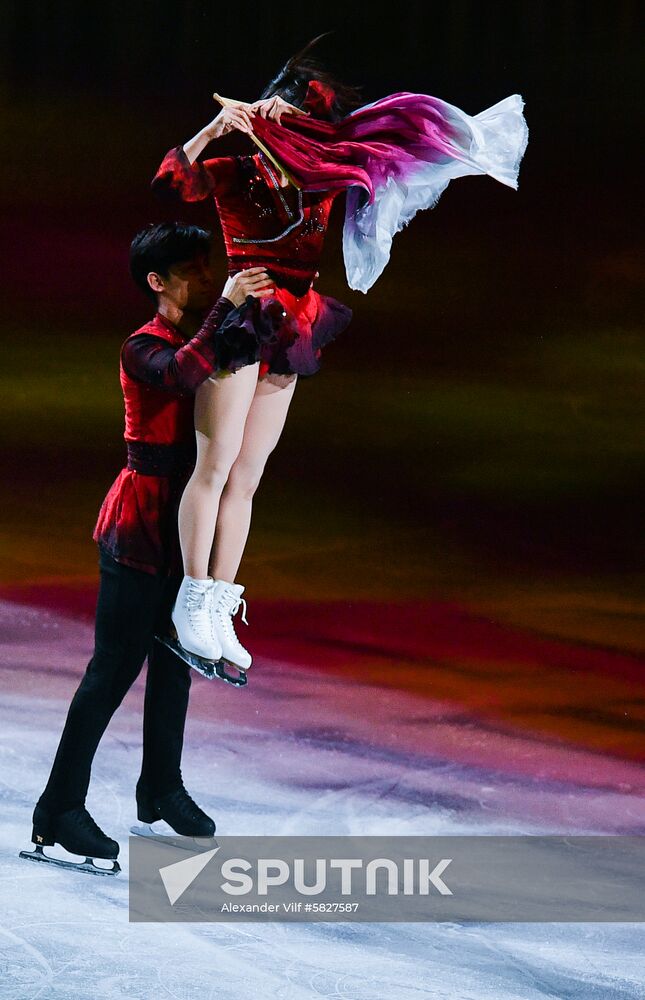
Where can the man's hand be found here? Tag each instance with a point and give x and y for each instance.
(274, 107)
(238, 116)
(253, 281)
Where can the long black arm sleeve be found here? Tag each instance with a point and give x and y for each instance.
(150, 359)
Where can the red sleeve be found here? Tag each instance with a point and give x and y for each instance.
(189, 181)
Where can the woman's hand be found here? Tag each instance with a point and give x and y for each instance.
(274, 107)
(237, 116)
(253, 281)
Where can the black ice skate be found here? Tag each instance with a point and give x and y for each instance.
(76, 831)
(207, 668)
(178, 810)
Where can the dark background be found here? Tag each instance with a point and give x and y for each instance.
(476, 432)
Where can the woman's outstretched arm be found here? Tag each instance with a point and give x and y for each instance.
(181, 175)
(239, 116)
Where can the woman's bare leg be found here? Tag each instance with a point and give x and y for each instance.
(221, 408)
(264, 424)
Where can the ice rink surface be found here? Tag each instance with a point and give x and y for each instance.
(300, 751)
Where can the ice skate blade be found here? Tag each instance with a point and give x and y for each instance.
(80, 866)
(207, 668)
(148, 831)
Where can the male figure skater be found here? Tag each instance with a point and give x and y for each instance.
(140, 562)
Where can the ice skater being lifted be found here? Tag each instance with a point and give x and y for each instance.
(311, 143)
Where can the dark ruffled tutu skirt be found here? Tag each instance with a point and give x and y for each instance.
(284, 333)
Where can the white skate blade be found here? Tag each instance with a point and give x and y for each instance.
(163, 832)
(88, 865)
(207, 668)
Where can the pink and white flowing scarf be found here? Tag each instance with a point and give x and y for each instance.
(395, 157)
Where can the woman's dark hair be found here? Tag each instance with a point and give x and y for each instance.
(160, 245)
(291, 82)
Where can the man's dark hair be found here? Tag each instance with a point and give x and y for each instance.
(291, 82)
(160, 245)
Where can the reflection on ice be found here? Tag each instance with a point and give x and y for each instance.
(297, 755)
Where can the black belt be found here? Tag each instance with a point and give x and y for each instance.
(160, 459)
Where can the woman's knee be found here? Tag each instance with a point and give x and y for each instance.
(244, 479)
(213, 468)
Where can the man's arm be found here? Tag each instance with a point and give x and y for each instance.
(150, 359)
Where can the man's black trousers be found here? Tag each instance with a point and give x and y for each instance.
(132, 607)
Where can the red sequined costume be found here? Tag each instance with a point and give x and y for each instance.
(280, 228)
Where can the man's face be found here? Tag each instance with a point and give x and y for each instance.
(190, 284)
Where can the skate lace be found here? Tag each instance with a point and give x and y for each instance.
(235, 607)
(86, 821)
(226, 609)
(185, 804)
(197, 608)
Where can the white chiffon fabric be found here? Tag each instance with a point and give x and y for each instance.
(492, 142)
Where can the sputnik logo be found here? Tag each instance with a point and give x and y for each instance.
(181, 875)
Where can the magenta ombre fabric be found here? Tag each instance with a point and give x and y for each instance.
(365, 147)
(395, 157)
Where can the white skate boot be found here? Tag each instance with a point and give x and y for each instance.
(227, 598)
(192, 616)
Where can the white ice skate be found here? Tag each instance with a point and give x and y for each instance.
(192, 617)
(227, 598)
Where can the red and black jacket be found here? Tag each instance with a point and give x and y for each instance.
(160, 371)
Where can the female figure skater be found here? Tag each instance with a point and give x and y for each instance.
(393, 158)
(239, 417)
